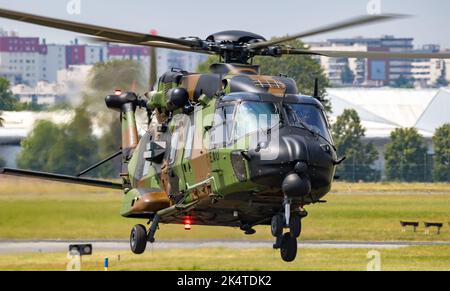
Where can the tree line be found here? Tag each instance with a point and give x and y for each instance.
(71, 148)
(406, 156)
(8, 102)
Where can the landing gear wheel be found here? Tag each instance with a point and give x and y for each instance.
(277, 225)
(288, 248)
(138, 239)
(295, 225)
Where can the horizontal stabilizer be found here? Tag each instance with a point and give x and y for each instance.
(61, 178)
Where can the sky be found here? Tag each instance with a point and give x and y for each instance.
(177, 18)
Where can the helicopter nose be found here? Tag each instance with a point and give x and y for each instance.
(296, 163)
(274, 161)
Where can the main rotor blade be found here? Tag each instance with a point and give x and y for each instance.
(366, 55)
(94, 30)
(156, 44)
(359, 21)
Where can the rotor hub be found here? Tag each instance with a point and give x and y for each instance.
(232, 45)
(235, 37)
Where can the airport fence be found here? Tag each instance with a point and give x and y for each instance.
(399, 172)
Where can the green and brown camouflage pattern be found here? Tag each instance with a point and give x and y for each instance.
(191, 181)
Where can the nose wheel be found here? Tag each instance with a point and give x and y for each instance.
(288, 248)
(295, 225)
(287, 242)
(277, 225)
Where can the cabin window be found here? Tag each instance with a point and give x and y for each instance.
(189, 142)
(173, 147)
(255, 116)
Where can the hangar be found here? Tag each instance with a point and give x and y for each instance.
(382, 110)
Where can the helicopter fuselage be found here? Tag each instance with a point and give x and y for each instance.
(230, 156)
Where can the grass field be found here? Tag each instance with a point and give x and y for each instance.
(31, 209)
(411, 258)
(37, 210)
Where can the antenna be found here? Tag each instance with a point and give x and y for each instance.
(316, 89)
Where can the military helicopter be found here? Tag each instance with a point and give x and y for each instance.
(229, 148)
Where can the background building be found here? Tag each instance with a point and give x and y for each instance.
(43, 93)
(426, 72)
(381, 72)
(53, 62)
(21, 58)
(27, 60)
(334, 67)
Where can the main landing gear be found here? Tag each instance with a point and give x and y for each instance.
(139, 236)
(138, 239)
(287, 243)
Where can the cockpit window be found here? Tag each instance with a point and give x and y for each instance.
(253, 116)
(309, 115)
(223, 126)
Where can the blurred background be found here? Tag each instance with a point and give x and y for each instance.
(388, 117)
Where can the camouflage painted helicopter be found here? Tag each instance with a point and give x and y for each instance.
(230, 148)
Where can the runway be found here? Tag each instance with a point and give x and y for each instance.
(14, 247)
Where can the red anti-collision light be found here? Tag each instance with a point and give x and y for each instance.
(187, 221)
(118, 92)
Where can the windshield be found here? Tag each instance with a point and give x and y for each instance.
(253, 116)
(310, 115)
